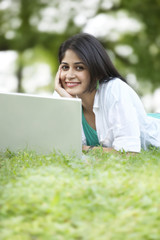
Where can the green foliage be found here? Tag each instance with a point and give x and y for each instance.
(101, 196)
(146, 44)
(19, 31)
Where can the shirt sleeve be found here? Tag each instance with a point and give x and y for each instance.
(123, 120)
(56, 95)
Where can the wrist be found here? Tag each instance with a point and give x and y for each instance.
(87, 148)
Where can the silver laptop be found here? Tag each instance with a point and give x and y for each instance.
(41, 124)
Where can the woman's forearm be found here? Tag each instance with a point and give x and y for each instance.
(105, 149)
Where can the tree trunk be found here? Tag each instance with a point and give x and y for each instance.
(19, 74)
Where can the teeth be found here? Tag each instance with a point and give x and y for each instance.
(72, 83)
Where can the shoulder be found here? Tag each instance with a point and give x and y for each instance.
(117, 89)
(116, 92)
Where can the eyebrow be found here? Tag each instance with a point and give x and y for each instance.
(76, 63)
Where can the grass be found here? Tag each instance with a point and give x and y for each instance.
(99, 197)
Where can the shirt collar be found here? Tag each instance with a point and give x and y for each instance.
(96, 100)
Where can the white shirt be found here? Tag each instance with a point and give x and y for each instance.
(120, 118)
(121, 121)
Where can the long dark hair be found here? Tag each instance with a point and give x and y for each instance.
(94, 56)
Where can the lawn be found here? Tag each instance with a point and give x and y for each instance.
(102, 196)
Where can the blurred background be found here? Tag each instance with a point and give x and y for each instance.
(31, 32)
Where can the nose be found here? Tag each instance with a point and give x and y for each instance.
(70, 74)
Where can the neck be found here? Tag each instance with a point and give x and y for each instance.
(87, 101)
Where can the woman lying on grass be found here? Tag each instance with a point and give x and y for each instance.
(112, 113)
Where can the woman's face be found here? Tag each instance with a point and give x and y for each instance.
(74, 74)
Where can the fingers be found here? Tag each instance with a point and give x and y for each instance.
(58, 85)
(58, 79)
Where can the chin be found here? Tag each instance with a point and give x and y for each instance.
(73, 93)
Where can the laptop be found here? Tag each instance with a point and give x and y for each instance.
(40, 124)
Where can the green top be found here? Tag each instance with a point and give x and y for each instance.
(155, 115)
(90, 133)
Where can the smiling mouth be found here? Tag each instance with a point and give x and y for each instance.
(72, 84)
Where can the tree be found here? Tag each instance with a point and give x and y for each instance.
(146, 44)
(28, 25)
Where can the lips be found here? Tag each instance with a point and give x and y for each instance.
(72, 84)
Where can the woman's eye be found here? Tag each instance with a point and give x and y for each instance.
(79, 68)
(64, 67)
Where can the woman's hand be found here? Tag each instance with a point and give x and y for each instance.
(88, 148)
(58, 86)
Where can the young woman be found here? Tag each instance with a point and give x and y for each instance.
(112, 113)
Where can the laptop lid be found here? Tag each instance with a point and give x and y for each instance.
(41, 124)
